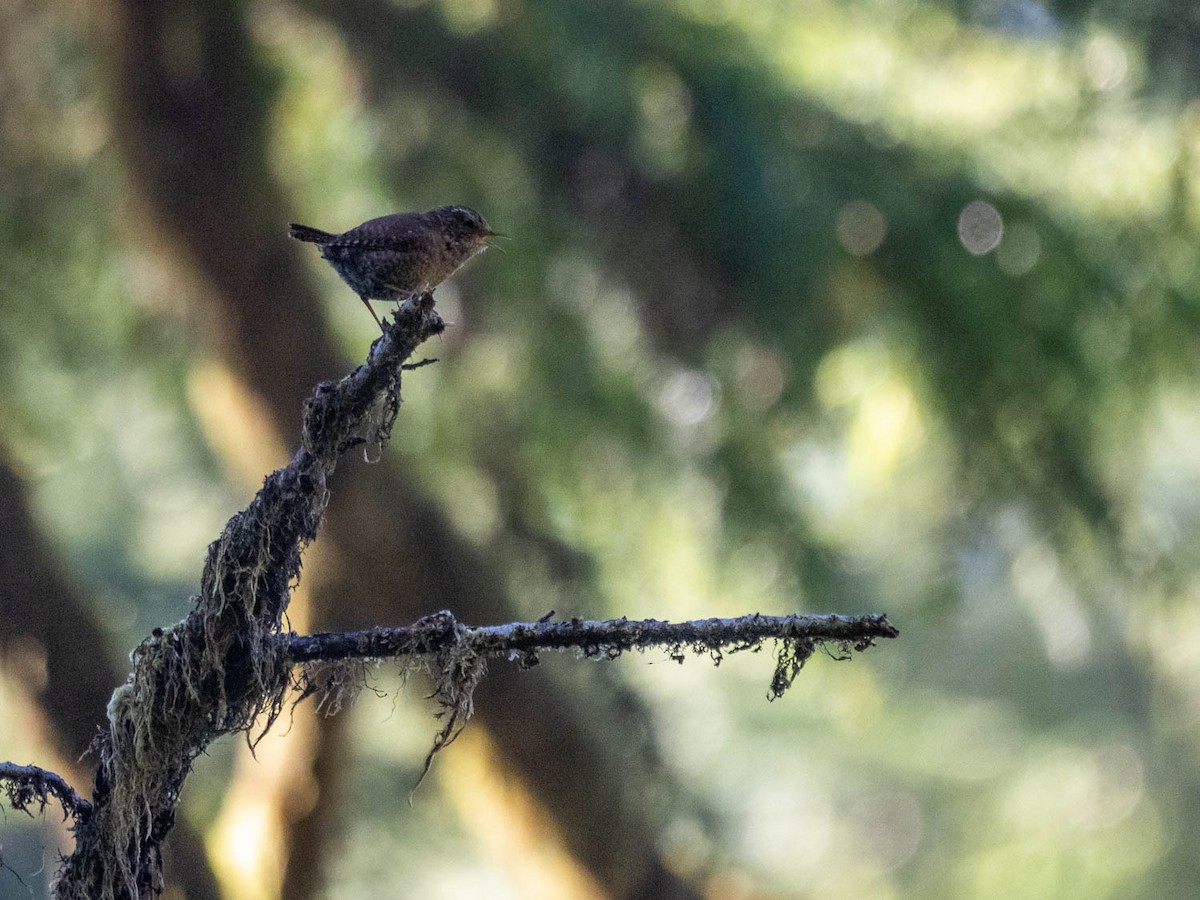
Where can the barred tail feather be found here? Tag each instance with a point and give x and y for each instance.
(311, 235)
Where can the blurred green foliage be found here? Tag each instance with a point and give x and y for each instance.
(836, 306)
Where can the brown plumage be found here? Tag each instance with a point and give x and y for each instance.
(403, 255)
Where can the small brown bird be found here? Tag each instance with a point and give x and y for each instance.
(403, 255)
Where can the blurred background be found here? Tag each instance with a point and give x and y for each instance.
(808, 305)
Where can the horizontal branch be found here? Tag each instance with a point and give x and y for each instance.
(457, 654)
(26, 785)
(436, 633)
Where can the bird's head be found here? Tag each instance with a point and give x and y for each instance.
(463, 223)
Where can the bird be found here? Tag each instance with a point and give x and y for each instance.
(403, 255)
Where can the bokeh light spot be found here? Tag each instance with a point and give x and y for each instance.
(687, 398)
(980, 227)
(861, 228)
(1020, 249)
(887, 827)
(470, 16)
(760, 377)
(1105, 63)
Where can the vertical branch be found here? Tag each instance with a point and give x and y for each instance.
(221, 667)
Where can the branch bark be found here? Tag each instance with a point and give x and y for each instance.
(609, 639)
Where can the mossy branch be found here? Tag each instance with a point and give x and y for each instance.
(229, 664)
(457, 654)
(797, 635)
(221, 668)
(609, 638)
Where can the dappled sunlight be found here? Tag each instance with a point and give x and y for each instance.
(789, 825)
(1052, 603)
(1044, 118)
(472, 502)
(887, 428)
(319, 115)
(687, 400)
(246, 850)
(1070, 791)
(882, 442)
(472, 16)
(512, 829)
(665, 105)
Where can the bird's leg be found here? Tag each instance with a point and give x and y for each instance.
(371, 310)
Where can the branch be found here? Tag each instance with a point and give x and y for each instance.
(26, 785)
(219, 669)
(611, 638)
(228, 662)
(458, 653)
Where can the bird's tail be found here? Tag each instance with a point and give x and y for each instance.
(311, 235)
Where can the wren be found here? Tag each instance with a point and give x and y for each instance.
(401, 256)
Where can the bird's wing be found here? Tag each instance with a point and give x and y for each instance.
(399, 232)
(366, 240)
